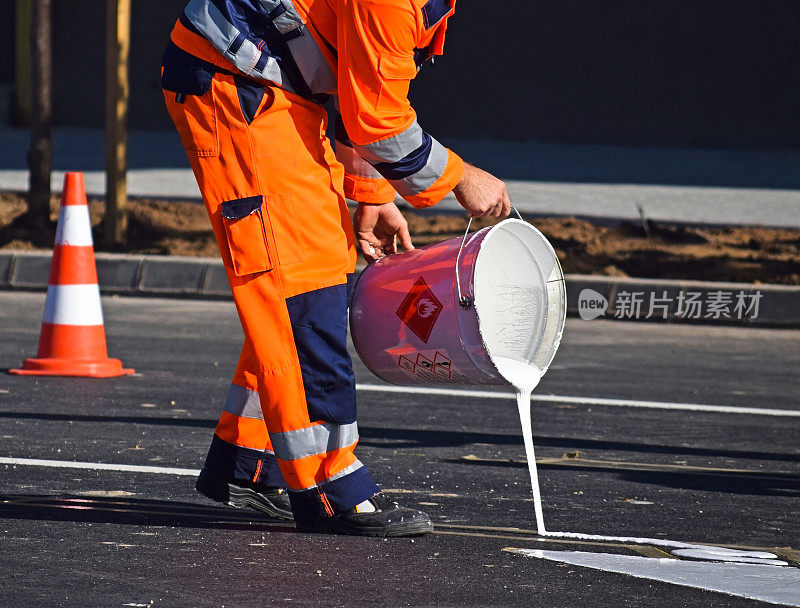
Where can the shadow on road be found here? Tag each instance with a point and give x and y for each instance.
(382, 437)
(133, 511)
(398, 438)
(149, 420)
(729, 482)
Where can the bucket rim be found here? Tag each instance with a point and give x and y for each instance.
(492, 233)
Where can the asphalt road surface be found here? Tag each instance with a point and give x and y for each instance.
(653, 466)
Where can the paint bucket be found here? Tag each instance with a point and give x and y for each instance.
(446, 313)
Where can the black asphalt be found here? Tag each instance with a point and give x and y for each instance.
(74, 537)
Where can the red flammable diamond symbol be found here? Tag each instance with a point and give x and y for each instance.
(420, 309)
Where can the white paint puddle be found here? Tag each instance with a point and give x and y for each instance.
(767, 583)
(730, 555)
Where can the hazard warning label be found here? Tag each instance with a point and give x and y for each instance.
(407, 364)
(424, 362)
(431, 367)
(442, 366)
(420, 309)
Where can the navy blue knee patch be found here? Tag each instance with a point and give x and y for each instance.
(319, 323)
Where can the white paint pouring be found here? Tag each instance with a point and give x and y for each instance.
(773, 583)
(524, 377)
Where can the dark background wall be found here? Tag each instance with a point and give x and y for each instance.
(668, 72)
(7, 41)
(671, 72)
(79, 47)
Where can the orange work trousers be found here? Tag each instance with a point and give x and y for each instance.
(274, 194)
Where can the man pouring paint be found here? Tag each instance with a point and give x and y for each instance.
(245, 82)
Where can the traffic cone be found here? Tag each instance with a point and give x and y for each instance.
(73, 340)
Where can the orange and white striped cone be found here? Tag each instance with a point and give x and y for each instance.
(73, 340)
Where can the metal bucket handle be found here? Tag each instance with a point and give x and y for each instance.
(465, 301)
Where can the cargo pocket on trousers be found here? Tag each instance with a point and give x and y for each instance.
(246, 233)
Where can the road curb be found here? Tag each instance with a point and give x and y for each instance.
(588, 296)
(122, 274)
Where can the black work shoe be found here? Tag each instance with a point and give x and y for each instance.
(388, 519)
(267, 499)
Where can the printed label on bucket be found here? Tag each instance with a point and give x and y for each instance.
(420, 309)
(430, 367)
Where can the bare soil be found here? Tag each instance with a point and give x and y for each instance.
(740, 254)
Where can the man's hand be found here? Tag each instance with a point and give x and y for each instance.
(377, 228)
(482, 194)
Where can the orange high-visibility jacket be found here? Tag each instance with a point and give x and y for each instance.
(365, 52)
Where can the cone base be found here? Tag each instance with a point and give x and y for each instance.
(85, 368)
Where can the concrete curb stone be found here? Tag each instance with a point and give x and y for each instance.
(215, 282)
(118, 273)
(29, 270)
(121, 274)
(5, 269)
(172, 274)
(621, 298)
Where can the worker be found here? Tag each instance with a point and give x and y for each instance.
(246, 83)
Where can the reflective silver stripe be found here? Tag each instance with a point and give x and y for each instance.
(425, 177)
(315, 71)
(243, 402)
(393, 149)
(288, 20)
(346, 471)
(312, 65)
(326, 437)
(353, 163)
(221, 33)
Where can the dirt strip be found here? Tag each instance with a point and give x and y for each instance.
(649, 250)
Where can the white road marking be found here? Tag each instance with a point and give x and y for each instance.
(661, 405)
(768, 583)
(131, 468)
